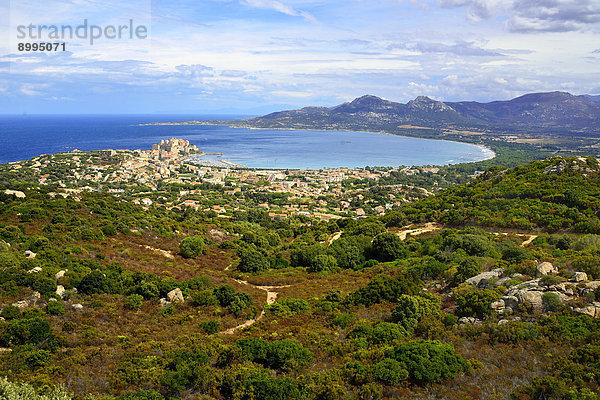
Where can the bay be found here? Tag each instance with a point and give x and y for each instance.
(23, 137)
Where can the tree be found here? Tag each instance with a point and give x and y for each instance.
(388, 247)
(191, 247)
(429, 361)
(252, 261)
(94, 282)
(323, 263)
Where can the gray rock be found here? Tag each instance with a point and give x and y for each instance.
(175, 295)
(498, 306)
(592, 284)
(593, 310)
(503, 322)
(21, 304)
(60, 290)
(77, 307)
(510, 301)
(34, 270)
(483, 278)
(546, 268)
(580, 276)
(30, 254)
(60, 274)
(164, 303)
(533, 297)
(564, 288)
(469, 320)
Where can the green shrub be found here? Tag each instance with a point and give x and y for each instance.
(253, 261)
(389, 371)
(343, 320)
(134, 301)
(323, 263)
(210, 327)
(55, 308)
(46, 286)
(551, 301)
(410, 309)
(191, 247)
(204, 298)
(287, 307)
(10, 312)
(388, 247)
(94, 282)
(429, 361)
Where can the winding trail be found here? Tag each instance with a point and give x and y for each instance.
(271, 297)
(428, 227)
(272, 294)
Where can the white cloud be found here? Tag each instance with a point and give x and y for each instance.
(280, 7)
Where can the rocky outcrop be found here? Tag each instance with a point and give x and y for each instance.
(28, 301)
(580, 276)
(175, 296)
(546, 268)
(60, 274)
(482, 280)
(593, 310)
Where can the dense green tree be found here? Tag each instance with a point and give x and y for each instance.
(191, 247)
(252, 261)
(429, 361)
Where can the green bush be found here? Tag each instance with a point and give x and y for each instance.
(343, 320)
(323, 263)
(551, 301)
(55, 308)
(287, 307)
(410, 309)
(388, 247)
(210, 327)
(46, 286)
(429, 361)
(10, 312)
(94, 282)
(204, 298)
(134, 301)
(389, 371)
(191, 247)
(286, 354)
(253, 261)
(474, 303)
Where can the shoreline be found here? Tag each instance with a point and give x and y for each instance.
(488, 152)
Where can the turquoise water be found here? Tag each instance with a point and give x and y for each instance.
(24, 137)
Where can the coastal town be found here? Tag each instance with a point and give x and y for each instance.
(174, 174)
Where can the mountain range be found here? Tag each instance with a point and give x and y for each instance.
(558, 112)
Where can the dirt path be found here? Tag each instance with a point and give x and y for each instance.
(529, 240)
(428, 227)
(271, 297)
(332, 238)
(160, 251)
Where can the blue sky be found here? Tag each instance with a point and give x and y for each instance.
(257, 56)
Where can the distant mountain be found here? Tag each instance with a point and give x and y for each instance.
(553, 111)
(593, 98)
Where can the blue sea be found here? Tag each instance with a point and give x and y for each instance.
(26, 136)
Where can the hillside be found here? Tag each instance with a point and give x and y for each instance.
(553, 111)
(556, 194)
(126, 302)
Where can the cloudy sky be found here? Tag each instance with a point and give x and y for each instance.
(256, 56)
